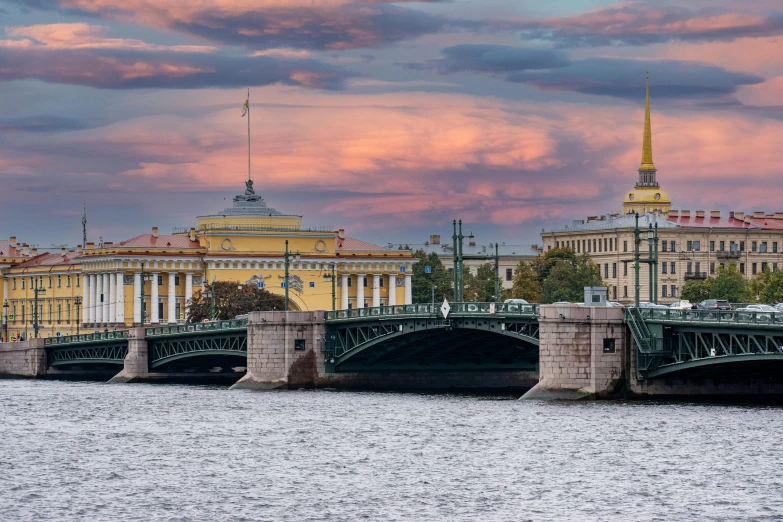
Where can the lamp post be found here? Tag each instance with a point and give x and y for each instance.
(460, 238)
(334, 296)
(433, 297)
(5, 320)
(78, 302)
(497, 274)
(651, 278)
(37, 291)
(636, 241)
(287, 259)
(454, 256)
(141, 296)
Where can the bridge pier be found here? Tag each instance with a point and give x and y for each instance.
(284, 350)
(137, 361)
(23, 359)
(582, 353)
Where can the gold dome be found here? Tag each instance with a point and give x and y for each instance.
(646, 199)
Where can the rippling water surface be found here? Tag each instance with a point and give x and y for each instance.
(88, 451)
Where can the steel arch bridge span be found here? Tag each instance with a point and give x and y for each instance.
(168, 349)
(433, 344)
(95, 353)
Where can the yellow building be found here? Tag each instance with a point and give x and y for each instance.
(647, 195)
(101, 286)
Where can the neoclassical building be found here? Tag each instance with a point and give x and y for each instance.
(109, 284)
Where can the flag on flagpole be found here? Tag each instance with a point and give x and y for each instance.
(246, 106)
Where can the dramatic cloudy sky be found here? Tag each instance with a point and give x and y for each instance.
(386, 118)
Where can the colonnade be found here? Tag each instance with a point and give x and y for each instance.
(103, 299)
(376, 289)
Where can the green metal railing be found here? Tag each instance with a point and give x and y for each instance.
(85, 338)
(461, 309)
(212, 326)
(712, 316)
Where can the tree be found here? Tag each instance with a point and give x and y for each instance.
(526, 285)
(770, 286)
(696, 291)
(542, 265)
(233, 299)
(567, 278)
(439, 277)
(729, 284)
(481, 286)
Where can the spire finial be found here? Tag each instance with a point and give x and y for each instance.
(647, 159)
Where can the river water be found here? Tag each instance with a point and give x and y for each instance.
(89, 451)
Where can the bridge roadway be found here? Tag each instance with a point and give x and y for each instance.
(474, 337)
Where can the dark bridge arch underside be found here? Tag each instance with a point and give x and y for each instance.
(442, 349)
(726, 366)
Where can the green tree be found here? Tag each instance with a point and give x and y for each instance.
(525, 285)
(568, 277)
(729, 284)
(769, 286)
(542, 265)
(696, 291)
(439, 277)
(481, 286)
(232, 299)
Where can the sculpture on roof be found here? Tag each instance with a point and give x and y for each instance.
(249, 188)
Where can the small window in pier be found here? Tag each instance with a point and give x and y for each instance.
(608, 345)
(299, 344)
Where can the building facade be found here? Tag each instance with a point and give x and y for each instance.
(114, 285)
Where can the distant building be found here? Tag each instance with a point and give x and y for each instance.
(509, 255)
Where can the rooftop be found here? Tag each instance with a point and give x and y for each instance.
(350, 244)
(48, 259)
(158, 241)
(612, 222)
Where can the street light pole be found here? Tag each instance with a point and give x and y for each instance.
(433, 297)
(460, 237)
(334, 296)
(655, 262)
(212, 300)
(78, 302)
(5, 321)
(285, 262)
(497, 274)
(454, 256)
(141, 297)
(636, 241)
(651, 278)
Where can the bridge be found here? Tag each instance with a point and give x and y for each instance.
(705, 342)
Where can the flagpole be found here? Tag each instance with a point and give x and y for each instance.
(248, 134)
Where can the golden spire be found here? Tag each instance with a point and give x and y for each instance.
(647, 159)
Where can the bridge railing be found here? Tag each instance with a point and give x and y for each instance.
(85, 338)
(433, 310)
(713, 316)
(212, 326)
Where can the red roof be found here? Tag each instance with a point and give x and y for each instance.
(353, 244)
(708, 222)
(6, 250)
(162, 241)
(69, 258)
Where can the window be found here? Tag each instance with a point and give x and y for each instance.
(350, 282)
(381, 281)
(77, 281)
(664, 244)
(763, 246)
(752, 246)
(722, 246)
(742, 246)
(763, 266)
(557, 244)
(674, 291)
(606, 244)
(698, 267)
(775, 247)
(625, 269)
(753, 268)
(68, 312)
(611, 244)
(365, 282)
(606, 270)
(608, 345)
(160, 280)
(712, 246)
(614, 272)
(22, 283)
(59, 312)
(697, 245)
(774, 267)
(59, 281)
(68, 281)
(732, 246)
(176, 281)
(14, 280)
(689, 246)
(509, 274)
(595, 245)
(673, 267)
(625, 291)
(742, 268)
(722, 266)
(688, 267)
(579, 247)
(50, 282)
(712, 267)
(674, 246)
(614, 292)
(625, 246)
(663, 268)
(663, 291)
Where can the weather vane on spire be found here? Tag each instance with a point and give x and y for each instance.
(246, 112)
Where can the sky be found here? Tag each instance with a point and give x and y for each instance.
(386, 118)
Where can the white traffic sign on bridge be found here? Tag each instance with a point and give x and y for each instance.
(445, 308)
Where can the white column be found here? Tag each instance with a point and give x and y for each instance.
(344, 300)
(154, 299)
(408, 289)
(93, 310)
(359, 290)
(137, 298)
(85, 311)
(376, 290)
(112, 298)
(120, 317)
(98, 298)
(106, 298)
(188, 292)
(392, 289)
(172, 298)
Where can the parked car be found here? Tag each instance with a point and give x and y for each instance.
(681, 305)
(778, 307)
(647, 304)
(713, 304)
(763, 312)
(614, 303)
(515, 301)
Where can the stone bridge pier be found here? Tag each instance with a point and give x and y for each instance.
(23, 359)
(136, 364)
